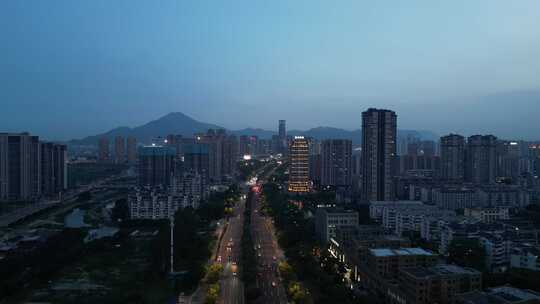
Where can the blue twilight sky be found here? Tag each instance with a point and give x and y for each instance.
(74, 68)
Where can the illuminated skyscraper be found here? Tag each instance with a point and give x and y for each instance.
(379, 132)
(299, 165)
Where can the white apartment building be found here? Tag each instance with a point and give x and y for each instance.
(401, 218)
(376, 207)
(488, 215)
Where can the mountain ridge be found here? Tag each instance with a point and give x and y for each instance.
(180, 123)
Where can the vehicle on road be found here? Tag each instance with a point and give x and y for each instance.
(234, 268)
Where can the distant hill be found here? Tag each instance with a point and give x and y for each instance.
(179, 123)
(172, 123)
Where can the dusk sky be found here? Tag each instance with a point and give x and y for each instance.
(74, 68)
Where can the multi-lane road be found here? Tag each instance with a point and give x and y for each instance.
(268, 254)
(228, 254)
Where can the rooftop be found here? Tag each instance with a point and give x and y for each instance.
(453, 269)
(396, 203)
(386, 252)
(511, 294)
(439, 270)
(336, 210)
(419, 272)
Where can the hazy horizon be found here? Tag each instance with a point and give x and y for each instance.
(73, 69)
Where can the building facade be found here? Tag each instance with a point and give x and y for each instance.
(103, 150)
(481, 159)
(131, 149)
(119, 150)
(329, 220)
(20, 167)
(336, 163)
(453, 157)
(53, 169)
(379, 135)
(282, 137)
(155, 166)
(299, 165)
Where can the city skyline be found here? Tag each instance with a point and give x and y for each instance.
(441, 66)
(270, 152)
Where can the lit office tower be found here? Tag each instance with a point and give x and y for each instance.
(379, 131)
(156, 165)
(103, 146)
(19, 166)
(299, 165)
(131, 150)
(453, 157)
(336, 162)
(282, 136)
(481, 165)
(119, 150)
(53, 169)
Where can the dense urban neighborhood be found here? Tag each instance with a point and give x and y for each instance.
(217, 218)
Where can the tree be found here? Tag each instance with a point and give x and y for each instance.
(120, 210)
(212, 294)
(297, 293)
(286, 271)
(467, 253)
(213, 273)
(84, 196)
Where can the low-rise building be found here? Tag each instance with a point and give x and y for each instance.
(525, 257)
(414, 276)
(497, 248)
(500, 295)
(329, 220)
(190, 184)
(376, 208)
(436, 284)
(352, 244)
(453, 198)
(412, 220)
(158, 203)
(385, 263)
(488, 215)
(503, 196)
(400, 218)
